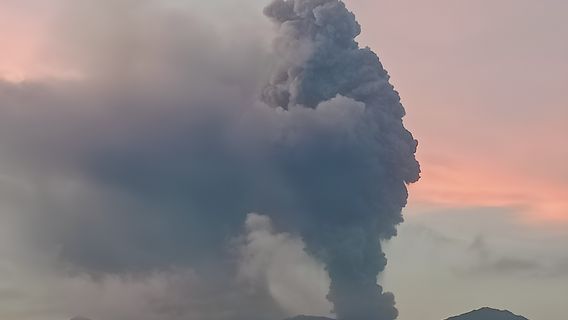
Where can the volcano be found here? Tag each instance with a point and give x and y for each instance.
(488, 314)
(480, 314)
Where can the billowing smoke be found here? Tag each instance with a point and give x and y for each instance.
(353, 179)
(149, 162)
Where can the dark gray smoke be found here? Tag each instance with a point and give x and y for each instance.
(151, 161)
(355, 186)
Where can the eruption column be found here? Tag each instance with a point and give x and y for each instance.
(353, 179)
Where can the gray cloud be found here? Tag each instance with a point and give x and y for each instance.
(560, 268)
(356, 189)
(97, 171)
(489, 261)
(483, 259)
(277, 261)
(169, 294)
(151, 160)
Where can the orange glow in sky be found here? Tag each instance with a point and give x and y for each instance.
(21, 40)
(473, 185)
(24, 38)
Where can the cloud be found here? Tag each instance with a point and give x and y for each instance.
(487, 260)
(106, 154)
(174, 294)
(134, 176)
(95, 170)
(279, 262)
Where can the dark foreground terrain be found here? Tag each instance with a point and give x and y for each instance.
(488, 314)
(480, 314)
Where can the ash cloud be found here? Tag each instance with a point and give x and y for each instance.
(355, 186)
(152, 160)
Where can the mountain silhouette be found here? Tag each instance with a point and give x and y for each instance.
(480, 314)
(488, 314)
(304, 317)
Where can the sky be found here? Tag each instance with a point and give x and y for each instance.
(483, 85)
(482, 82)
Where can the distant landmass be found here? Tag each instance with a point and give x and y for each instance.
(480, 314)
(488, 314)
(304, 317)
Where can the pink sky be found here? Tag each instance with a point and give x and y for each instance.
(484, 86)
(21, 37)
(484, 89)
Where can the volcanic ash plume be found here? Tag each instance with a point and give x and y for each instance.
(354, 169)
(139, 173)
